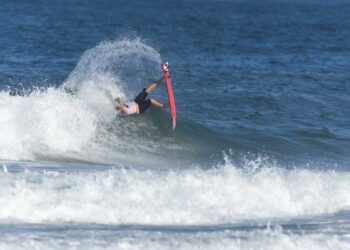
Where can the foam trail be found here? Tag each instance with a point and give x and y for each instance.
(221, 195)
(118, 67)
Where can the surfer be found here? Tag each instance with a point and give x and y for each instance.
(140, 104)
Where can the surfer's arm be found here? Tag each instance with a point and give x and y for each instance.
(119, 105)
(115, 103)
(122, 108)
(110, 97)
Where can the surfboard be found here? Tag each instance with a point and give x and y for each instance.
(172, 106)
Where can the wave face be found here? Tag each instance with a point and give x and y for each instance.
(77, 121)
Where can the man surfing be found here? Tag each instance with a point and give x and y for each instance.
(140, 104)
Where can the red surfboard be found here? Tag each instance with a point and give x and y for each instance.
(172, 106)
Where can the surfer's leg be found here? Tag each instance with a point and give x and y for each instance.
(157, 104)
(153, 85)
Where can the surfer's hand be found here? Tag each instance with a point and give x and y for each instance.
(165, 106)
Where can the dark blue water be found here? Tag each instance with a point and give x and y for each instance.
(262, 138)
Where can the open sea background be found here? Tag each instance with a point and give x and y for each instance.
(260, 156)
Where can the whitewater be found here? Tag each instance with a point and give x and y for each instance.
(226, 207)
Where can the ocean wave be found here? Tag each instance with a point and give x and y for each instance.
(77, 121)
(53, 125)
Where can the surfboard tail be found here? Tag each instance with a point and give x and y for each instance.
(173, 124)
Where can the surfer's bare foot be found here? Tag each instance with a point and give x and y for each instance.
(166, 67)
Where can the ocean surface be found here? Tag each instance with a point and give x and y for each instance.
(259, 160)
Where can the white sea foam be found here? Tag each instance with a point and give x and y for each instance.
(187, 197)
(43, 122)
